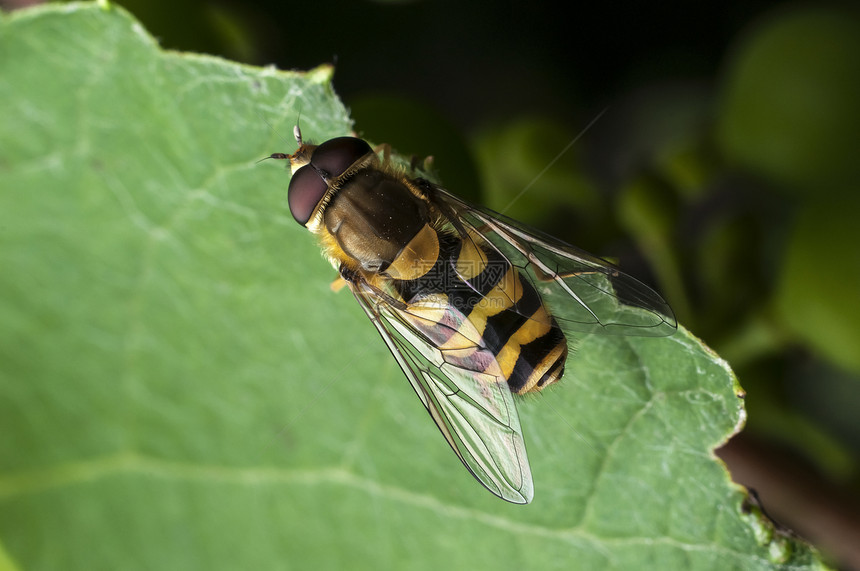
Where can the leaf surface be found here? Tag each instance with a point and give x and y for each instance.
(179, 388)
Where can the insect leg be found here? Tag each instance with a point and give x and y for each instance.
(385, 149)
(337, 284)
(358, 282)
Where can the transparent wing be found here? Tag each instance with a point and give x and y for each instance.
(448, 368)
(584, 292)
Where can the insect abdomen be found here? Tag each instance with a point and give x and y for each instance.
(505, 316)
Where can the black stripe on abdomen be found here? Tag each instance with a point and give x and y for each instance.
(502, 325)
(540, 363)
(505, 309)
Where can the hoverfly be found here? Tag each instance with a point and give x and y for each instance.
(475, 307)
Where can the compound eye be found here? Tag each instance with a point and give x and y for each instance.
(333, 157)
(306, 190)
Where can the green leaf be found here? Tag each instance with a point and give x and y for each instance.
(789, 108)
(820, 307)
(179, 388)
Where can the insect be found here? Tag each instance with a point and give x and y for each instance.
(475, 307)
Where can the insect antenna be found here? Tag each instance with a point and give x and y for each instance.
(277, 156)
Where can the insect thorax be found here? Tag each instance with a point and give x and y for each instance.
(373, 217)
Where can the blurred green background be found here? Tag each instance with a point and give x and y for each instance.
(722, 168)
